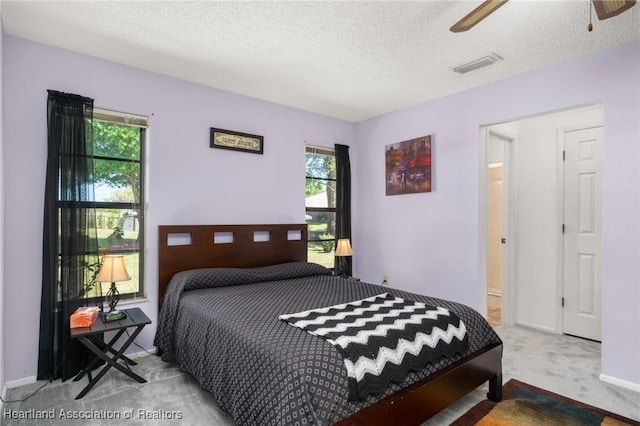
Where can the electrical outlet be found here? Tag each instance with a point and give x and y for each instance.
(385, 279)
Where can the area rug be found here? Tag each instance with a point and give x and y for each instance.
(526, 405)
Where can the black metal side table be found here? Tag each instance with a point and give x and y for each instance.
(89, 337)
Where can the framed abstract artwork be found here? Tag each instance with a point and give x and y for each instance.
(408, 166)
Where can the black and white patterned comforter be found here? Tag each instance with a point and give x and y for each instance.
(221, 326)
(382, 338)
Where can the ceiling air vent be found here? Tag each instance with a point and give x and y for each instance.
(478, 63)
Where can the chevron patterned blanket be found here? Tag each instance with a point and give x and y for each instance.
(383, 338)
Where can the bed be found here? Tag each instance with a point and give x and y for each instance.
(222, 289)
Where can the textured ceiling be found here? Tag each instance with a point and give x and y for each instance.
(346, 59)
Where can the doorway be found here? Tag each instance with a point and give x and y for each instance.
(498, 148)
(531, 288)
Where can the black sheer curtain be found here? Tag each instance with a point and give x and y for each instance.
(70, 244)
(343, 203)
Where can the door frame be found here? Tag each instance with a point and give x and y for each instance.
(509, 220)
(510, 285)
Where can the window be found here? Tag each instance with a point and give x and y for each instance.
(118, 155)
(320, 203)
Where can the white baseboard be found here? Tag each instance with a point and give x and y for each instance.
(143, 353)
(620, 382)
(536, 327)
(32, 379)
(21, 382)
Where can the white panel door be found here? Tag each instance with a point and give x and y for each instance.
(582, 233)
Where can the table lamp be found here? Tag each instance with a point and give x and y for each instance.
(113, 270)
(343, 248)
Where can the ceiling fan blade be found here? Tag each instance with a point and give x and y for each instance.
(478, 14)
(608, 8)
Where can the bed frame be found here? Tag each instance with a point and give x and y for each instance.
(183, 247)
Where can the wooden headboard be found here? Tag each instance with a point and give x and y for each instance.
(183, 247)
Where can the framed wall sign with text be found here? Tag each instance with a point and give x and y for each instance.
(237, 141)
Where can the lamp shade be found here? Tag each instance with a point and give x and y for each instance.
(344, 247)
(113, 269)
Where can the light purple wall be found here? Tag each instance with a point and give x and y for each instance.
(428, 243)
(188, 182)
(3, 203)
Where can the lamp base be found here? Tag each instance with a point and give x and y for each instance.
(114, 316)
(112, 297)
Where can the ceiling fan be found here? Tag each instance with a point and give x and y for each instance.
(604, 9)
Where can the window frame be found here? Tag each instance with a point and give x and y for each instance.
(140, 122)
(311, 149)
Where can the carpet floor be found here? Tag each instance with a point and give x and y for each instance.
(562, 364)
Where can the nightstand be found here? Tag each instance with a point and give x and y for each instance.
(88, 336)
